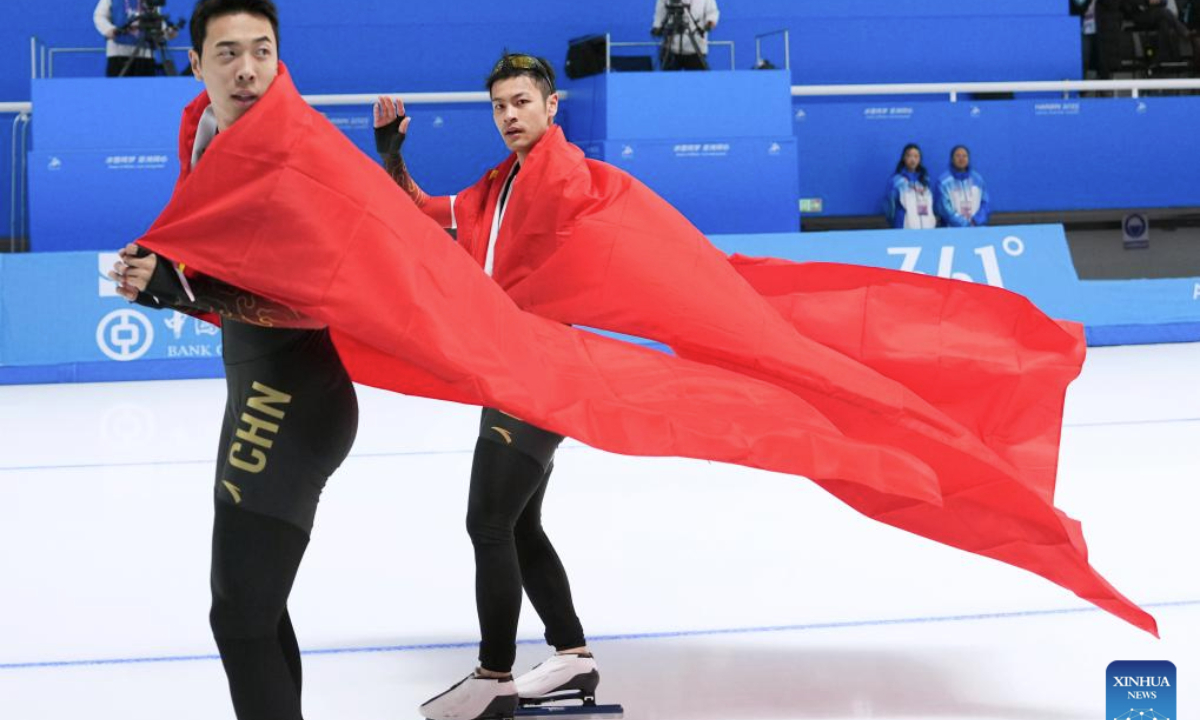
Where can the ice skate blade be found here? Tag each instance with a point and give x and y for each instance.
(576, 712)
(587, 698)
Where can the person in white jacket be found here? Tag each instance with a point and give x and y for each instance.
(685, 47)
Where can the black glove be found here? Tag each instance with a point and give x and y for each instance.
(164, 284)
(145, 299)
(656, 32)
(389, 139)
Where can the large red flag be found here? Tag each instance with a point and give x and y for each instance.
(970, 379)
(284, 206)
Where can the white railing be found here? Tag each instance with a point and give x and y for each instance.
(48, 72)
(953, 90)
(446, 98)
(20, 152)
(609, 45)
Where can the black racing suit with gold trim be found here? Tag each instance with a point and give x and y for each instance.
(291, 416)
(291, 413)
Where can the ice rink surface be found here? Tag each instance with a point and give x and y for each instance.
(707, 591)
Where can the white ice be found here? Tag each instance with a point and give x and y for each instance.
(707, 591)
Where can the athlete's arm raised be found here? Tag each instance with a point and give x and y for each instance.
(391, 130)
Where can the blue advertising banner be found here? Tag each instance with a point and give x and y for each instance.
(1032, 260)
(61, 319)
(59, 309)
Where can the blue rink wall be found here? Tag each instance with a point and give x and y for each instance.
(61, 321)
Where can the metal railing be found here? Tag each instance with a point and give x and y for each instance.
(609, 45)
(953, 90)
(41, 56)
(52, 52)
(17, 221)
(422, 98)
(787, 47)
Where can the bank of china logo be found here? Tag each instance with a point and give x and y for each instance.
(175, 323)
(124, 335)
(1140, 690)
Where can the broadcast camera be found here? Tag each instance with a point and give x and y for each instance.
(679, 27)
(153, 29)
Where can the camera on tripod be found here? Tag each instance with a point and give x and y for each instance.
(681, 34)
(678, 15)
(152, 29)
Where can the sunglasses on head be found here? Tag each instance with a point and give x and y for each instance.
(523, 62)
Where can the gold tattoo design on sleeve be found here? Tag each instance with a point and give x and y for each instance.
(234, 303)
(394, 164)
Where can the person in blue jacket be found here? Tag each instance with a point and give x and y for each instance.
(962, 197)
(909, 201)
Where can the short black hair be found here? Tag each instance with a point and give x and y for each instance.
(513, 65)
(206, 10)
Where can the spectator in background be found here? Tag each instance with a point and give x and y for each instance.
(962, 196)
(909, 201)
(1086, 11)
(1157, 15)
(1108, 37)
(1171, 35)
(685, 48)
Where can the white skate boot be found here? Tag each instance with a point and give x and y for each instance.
(562, 677)
(474, 698)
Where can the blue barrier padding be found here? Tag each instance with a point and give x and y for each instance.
(690, 138)
(93, 200)
(111, 372)
(1036, 155)
(103, 114)
(677, 106)
(1142, 334)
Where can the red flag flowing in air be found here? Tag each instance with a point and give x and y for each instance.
(855, 378)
